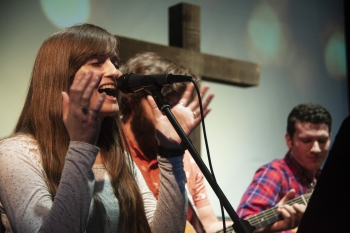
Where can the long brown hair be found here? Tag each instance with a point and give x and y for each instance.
(58, 59)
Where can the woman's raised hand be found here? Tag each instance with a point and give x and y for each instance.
(80, 118)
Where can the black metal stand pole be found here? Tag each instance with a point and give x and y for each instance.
(240, 225)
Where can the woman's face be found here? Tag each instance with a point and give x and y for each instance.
(108, 67)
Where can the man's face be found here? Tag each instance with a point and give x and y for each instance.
(309, 145)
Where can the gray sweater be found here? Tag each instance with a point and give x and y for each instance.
(83, 194)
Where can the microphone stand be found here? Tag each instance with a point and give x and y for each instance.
(239, 225)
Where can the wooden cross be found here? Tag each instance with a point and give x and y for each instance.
(184, 49)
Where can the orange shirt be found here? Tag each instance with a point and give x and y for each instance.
(195, 178)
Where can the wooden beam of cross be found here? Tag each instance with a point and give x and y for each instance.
(184, 49)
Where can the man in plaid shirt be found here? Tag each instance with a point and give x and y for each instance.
(308, 139)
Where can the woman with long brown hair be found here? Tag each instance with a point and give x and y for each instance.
(66, 167)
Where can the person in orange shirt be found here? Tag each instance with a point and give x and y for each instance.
(137, 122)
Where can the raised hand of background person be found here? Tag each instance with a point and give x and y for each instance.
(81, 117)
(165, 132)
(194, 104)
(184, 113)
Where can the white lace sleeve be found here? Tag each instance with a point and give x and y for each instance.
(24, 193)
(149, 200)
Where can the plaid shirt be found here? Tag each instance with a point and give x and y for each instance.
(271, 183)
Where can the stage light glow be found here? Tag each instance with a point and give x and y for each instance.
(335, 56)
(265, 33)
(65, 13)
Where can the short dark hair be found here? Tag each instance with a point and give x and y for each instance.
(309, 112)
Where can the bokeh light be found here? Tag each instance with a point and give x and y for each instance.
(335, 56)
(65, 13)
(265, 33)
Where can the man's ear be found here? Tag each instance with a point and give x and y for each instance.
(289, 141)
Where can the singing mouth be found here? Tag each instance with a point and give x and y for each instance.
(109, 89)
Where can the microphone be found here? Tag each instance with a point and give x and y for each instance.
(130, 82)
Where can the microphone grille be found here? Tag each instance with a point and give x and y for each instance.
(122, 82)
